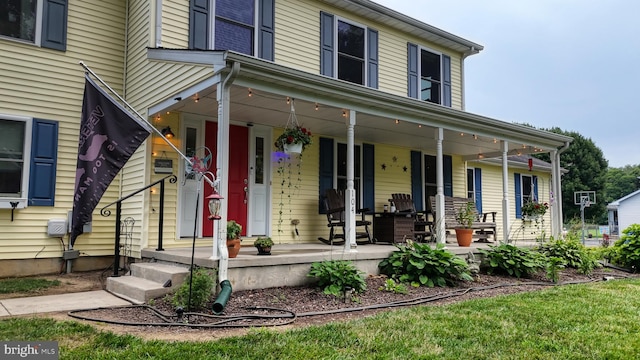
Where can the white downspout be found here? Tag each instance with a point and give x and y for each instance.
(219, 238)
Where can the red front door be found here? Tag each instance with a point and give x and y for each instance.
(236, 200)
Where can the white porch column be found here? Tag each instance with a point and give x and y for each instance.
(350, 193)
(557, 193)
(555, 227)
(505, 192)
(439, 225)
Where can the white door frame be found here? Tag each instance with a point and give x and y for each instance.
(264, 190)
(182, 228)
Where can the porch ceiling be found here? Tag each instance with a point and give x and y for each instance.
(269, 85)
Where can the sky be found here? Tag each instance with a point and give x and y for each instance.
(572, 64)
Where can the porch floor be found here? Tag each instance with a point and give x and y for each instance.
(288, 264)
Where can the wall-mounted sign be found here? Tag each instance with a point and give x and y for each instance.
(163, 166)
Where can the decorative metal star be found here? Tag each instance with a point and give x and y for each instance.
(384, 166)
(404, 168)
(395, 159)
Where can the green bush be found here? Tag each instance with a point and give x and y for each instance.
(553, 266)
(572, 252)
(419, 264)
(626, 251)
(511, 260)
(201, 288)
(335, 276)
(391, 286)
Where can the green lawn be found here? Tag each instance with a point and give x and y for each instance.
(593, 321)
(20, 285)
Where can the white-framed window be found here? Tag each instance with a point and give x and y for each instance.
(350, 51)
(15, 154)
(244, 26)
(471, 184)
(39, 22)
(430, 76)
(527, 189)
(21, 20)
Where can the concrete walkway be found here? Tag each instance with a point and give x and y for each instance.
(64, 302)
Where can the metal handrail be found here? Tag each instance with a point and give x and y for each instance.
(106, 212)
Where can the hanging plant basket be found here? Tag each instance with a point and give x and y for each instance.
(295, 148)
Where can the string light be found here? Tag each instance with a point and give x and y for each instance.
(250, 92)
(344, 113)
(461, 134)
(475, 137)
(317, 107)
(495, 141)
(288, 100)
(197, 98)
(397, 121)
(419, 125)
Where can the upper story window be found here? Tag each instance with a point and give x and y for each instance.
(28, 155)
(244, 26)
(40, 22)
(429, 75)
(348, 51)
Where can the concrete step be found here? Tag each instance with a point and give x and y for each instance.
(160, 273)
(135, 289)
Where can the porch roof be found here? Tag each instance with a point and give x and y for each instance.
(320, 102)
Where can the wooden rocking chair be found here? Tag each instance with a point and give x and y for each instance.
(334, 203)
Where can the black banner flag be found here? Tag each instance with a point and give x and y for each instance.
(109, 135)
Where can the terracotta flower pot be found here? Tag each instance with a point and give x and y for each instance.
(233, 246)
(464, 236)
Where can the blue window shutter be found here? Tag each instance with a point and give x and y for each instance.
(372, 60)
(326, 170)
(54, 24)
(447, 169)
(368, 177)
(535, 188)
(199, 24)
(446, 83)
(416, 179)
(267, 29)
(412, 70)
(326, 44)
(518, 195)
(477, 173)
(42, 173)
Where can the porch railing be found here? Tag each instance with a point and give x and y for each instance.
(106, 212)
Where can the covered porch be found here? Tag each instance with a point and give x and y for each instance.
(248, 91)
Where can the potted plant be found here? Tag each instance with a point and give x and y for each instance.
(533, 210)
(263, 244)
(465, 217)
(233, 238)
(294, 139)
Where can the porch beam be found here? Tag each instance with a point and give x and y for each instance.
(439, 220)
(505, 191)
(350, 193)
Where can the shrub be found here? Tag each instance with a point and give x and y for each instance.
(554, 265)
(626, 251)
(574, 254)
(419, 264)
(511, 260)
(336, 276)
(391, 286)
(201, 287)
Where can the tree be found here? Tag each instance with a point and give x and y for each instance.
(621, 182)
(587, 169)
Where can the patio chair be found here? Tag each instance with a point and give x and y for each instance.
(422, 225)
(334, 204)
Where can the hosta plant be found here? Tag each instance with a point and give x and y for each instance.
(512, 260)
(336, 277)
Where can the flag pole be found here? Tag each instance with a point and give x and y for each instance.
(135, 112)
